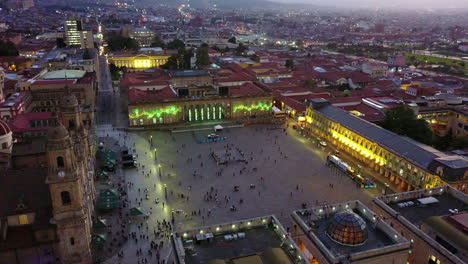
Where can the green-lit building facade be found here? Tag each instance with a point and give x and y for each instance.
(248, 109)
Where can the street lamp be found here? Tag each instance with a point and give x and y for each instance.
(165, 190)
(155, 158)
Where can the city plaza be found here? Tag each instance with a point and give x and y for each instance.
(283, 171)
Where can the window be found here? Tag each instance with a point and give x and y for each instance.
(72, 241)
(71, 124)
(433, 260)
(66, 200)
(60, 162)
(4, 145)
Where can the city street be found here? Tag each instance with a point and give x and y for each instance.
(284, 169)
(107, 109)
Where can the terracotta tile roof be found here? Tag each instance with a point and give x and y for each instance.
(290, 102)
(145, 78)
(136, 96)
(370, 114)
(246, 89)
(21, 123)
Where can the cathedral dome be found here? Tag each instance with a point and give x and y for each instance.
(4, 128)
(6, 138)
(56, 133)
(347, 228)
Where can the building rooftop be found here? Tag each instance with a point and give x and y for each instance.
(441, 209)
(189, 73)
(417, 213)
(258, 241)
(329, 228)
(418, 153)
(64, 74)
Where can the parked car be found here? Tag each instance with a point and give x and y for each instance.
(210, 136)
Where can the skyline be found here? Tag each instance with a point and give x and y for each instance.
(433, 4)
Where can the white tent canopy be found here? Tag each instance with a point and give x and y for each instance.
(428, 200)
(218, 128)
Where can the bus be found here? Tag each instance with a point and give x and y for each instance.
(348, 170)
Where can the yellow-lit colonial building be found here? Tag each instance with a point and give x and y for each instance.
(407, 163)
(140, 61)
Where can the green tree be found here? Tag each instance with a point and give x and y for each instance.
(241, 49)
(176, 44)
(232, 40)
(116, 42)
(172, 63)
(300, 43)
(178, 61)
(402, 121)
(202, 57)
(290, 64)
(157, 42)
(255, 58)
(8, 48)
(309, 83)
(116, 72)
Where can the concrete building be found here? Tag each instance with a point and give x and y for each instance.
(76, 35)
(407, 163)
(191, 97)
(349, 232)
(73, 28)
(444, 119)
(261, 240)
(144, 36)
(375, 69)
(434, 220)
(141, 60)
(48, 88)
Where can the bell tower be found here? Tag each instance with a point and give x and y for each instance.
(70, 112)
(70, 209)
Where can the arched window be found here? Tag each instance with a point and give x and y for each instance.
(60, 162)
(71, 123)
(66, 199)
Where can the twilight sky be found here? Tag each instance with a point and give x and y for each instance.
(386, 3)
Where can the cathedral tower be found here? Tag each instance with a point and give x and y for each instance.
(70, 208)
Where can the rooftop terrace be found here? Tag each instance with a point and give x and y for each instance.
(381, 238)
(259, 240)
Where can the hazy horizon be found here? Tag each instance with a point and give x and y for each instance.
(394, 3)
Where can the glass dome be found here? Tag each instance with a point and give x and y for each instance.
(347, 228)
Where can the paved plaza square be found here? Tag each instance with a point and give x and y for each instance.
(282, 171)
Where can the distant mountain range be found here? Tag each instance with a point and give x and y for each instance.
(235, 4)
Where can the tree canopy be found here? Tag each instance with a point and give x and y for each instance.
(117, 42)
(176, 44)
(202, 57)
(402, 121)
(179, 61)
(232, 40)
(241, 49)
(157, 42)
(8, 48)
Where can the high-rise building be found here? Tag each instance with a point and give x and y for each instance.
(73, 28)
